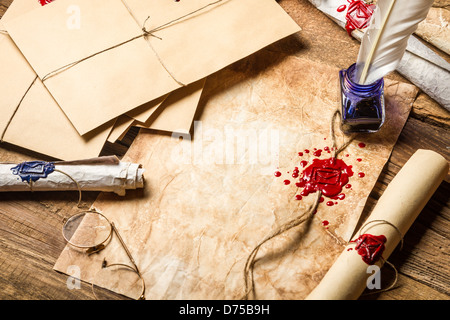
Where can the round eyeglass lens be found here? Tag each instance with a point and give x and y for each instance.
(87, 229)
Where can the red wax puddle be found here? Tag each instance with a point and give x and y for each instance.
(348, 186)
(295, 172)
(286, 182)
(298, 184)
(306, 151)
(326, 175)
(317, 153)
(277, 173)
(300, 154)
(303, 163)
(359, 159)
(298, 197)
(370, 247)
(361, 144)
(330, 203)
(325, 223)
(341, 8)
(361, 175)
(44, 2)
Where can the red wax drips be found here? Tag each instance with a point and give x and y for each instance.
(298, 197)
(359, 159)
(300, 154)
(325, 223)
(361, 145)
(370, 247)
(341, 8)
(306, 151)
(361, 175)
(277, 174)
(330, 203)
(44, 2)
(340, 196)
(326, 175)
(303, 163)
(348, 186)
(317, 153)
(286, 182)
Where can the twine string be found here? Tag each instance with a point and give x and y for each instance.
(145, 34)
(307, 215)
(30, 184)
(302, 218)
(16, 109)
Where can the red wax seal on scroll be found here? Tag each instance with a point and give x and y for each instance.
(326, 175)
(44, 2)
(358, 15)
(370, 247)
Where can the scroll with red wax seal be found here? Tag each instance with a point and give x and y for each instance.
(396, 210)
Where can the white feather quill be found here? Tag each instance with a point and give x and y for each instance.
(385, 40)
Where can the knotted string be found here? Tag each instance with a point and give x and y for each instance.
(394, 282)
(305, 216)
(30, 184)
(145, 33)
(16, 109)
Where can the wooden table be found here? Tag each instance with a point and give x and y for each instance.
(30, 223)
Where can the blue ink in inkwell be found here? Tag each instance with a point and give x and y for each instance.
(33, 170)
(362, 106)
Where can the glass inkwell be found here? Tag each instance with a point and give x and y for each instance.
(362, 105)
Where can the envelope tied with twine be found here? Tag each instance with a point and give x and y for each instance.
(121, 54)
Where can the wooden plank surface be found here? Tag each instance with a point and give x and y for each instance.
(30, 223)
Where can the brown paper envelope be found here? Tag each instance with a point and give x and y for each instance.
(145, 111)
(177, 111)
(175, 114)
(127, 75)
(30, 117)
(120, 128)
(212, 198)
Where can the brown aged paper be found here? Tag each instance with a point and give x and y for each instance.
(109, 82)
(395, 212)
(30, 117)
(209, 200)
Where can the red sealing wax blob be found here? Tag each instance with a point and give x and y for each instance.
(358, 15)
(370, 247)
(341, 8)
(326, 175)
(44, 2)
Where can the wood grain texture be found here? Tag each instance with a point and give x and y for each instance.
(30, 223)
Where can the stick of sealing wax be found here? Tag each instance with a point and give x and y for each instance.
(393, 215)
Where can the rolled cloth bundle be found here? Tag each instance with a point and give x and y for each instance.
(99, 174)
(396, 210)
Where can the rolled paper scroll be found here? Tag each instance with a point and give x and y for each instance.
(98, 174)
(396, 210)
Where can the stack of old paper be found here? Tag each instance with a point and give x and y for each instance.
(78, 73)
